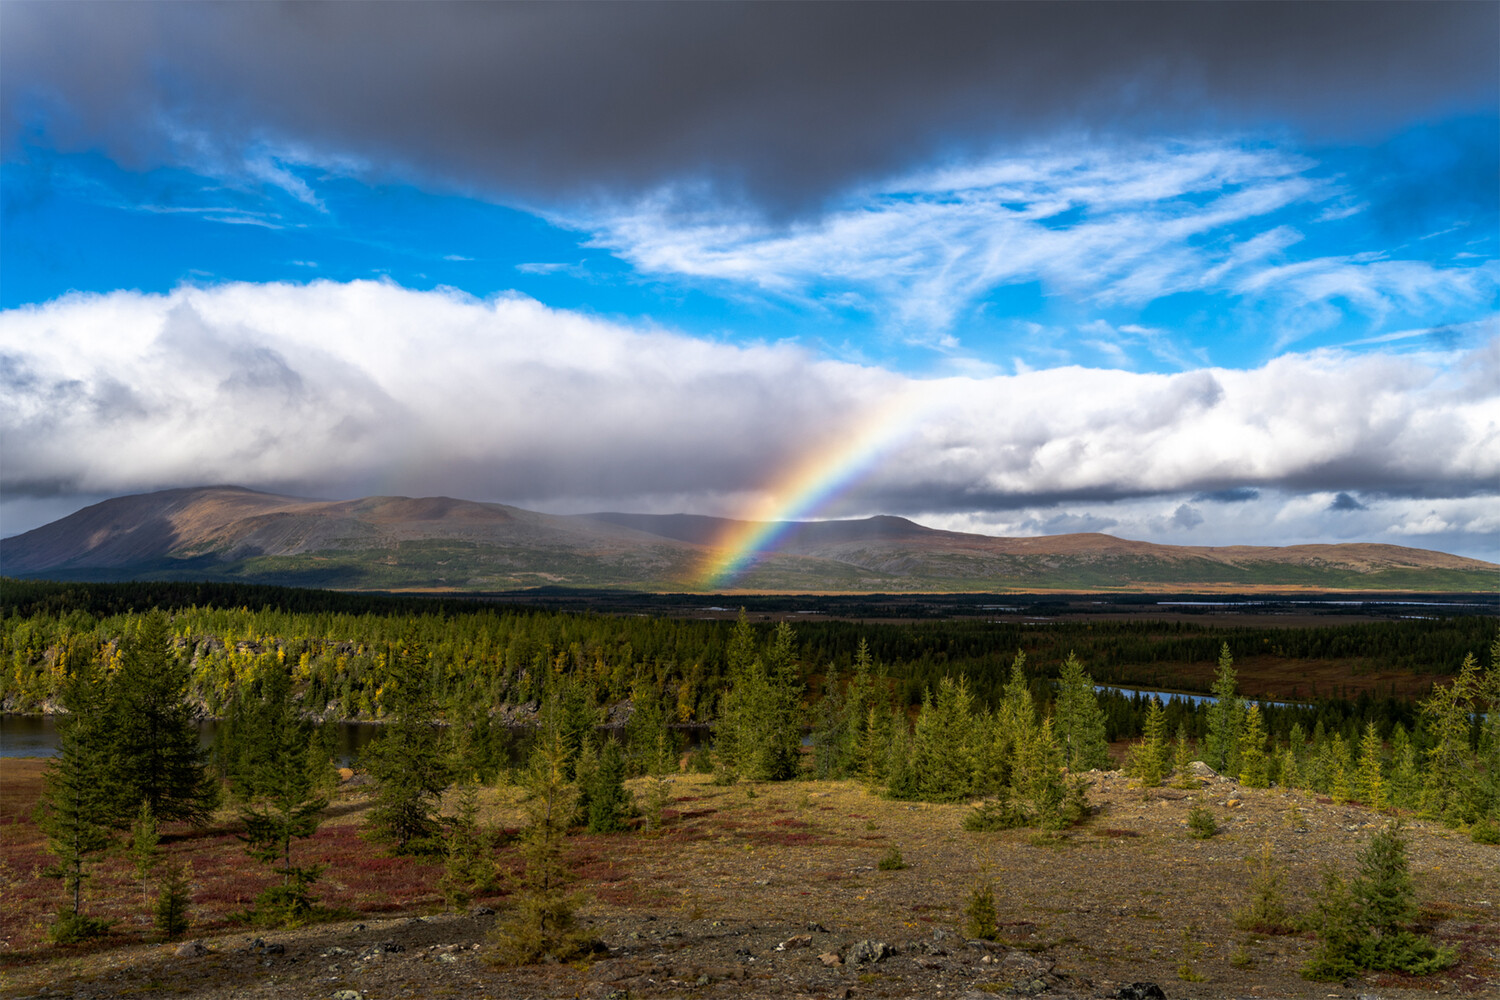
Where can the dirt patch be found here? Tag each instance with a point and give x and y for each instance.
(775, 891)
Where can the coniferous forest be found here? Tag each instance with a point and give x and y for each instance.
(1004, 716)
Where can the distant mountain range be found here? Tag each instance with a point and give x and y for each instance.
(442, 544)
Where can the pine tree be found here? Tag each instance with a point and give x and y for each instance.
(1225, 718)
(1078, 720)
(155, 754)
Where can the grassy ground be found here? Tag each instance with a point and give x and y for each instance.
(700, 908)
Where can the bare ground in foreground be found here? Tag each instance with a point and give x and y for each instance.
(770, 890)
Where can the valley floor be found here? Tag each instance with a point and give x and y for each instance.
(775, 891)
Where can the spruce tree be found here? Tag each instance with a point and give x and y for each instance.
(468, 868)
(1370, 776)
(1225, 718)
(759, 731)
(1451, 787)
(542, 921)
(155, 754)
(275, 774)
(77, 807)
(172, 899)
(144, 849)
(1078, 720)
(1148, 758)
(407, 759)
(610, 804)
(1254, 766)
(942, 745)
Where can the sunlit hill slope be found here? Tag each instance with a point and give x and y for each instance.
(438, 543)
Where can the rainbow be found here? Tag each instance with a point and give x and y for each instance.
(808, 486)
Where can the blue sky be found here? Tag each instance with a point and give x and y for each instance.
(1236, 227)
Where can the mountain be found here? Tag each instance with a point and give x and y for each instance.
(438, 543)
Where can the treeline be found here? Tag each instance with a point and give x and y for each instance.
(341, 649)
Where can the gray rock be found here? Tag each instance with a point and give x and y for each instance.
(1141, 991)
(347, 995)
(868, 951)
(191, 949)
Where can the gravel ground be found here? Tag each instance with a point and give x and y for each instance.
(775, 891)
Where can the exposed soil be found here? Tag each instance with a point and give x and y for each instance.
(747, 887)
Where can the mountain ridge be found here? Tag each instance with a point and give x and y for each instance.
(424, 543)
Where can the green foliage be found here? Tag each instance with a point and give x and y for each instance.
(1182, 760)
(72, 927)
(1148, 758)
(998, 813)
(290, 903)
(172, 899)
(154, 753)
(759, 731)
(407, 760)
(1365, 924)
(1254, 766)
(1078, 721)
(77, 805)
(653, 747)
(1192, 950)
(610, 805)
(144, 848)
(468, 868)
(1226, 718)
(1201, 823)
(942, 753)
(980, 919)
(274, 768)
(1369, 773)
(1485, 832)
(1454, 790)
(891, 860)
(1266, 912)
(1340, 936)
(542, 922)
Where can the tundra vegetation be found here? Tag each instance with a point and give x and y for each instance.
(1014, 743)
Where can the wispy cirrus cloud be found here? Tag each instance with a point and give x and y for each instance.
(1108, 227)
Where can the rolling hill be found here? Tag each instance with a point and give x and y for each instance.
(439, 543)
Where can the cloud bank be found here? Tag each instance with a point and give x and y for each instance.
(785, 103)
(347, 389)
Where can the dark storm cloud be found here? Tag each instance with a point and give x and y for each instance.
(784, 102)
(1238, 494)
(1345, 502)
